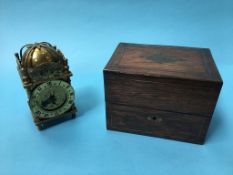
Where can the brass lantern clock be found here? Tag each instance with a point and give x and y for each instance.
(45, 74)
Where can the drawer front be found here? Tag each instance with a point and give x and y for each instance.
(171, 125)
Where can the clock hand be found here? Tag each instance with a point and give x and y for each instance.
(51, 99)
(45, 102)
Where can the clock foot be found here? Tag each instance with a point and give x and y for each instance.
(73, 116)
(40, 127)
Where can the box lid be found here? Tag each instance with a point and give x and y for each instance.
(164, 61)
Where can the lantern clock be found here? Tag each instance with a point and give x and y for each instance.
(45, 75)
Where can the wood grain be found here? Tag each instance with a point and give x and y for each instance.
(176, 95)
(165, 61)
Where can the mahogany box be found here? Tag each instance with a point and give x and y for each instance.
(163, 91)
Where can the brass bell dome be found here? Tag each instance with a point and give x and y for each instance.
(40, 53)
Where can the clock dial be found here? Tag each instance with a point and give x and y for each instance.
(51, 99)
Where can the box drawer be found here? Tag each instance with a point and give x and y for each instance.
(178, 126)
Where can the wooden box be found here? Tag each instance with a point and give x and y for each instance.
(163, 91)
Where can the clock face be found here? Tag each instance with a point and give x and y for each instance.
(51, 99)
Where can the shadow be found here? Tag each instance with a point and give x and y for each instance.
(215, 125)
(86, 99)
(58, 121)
